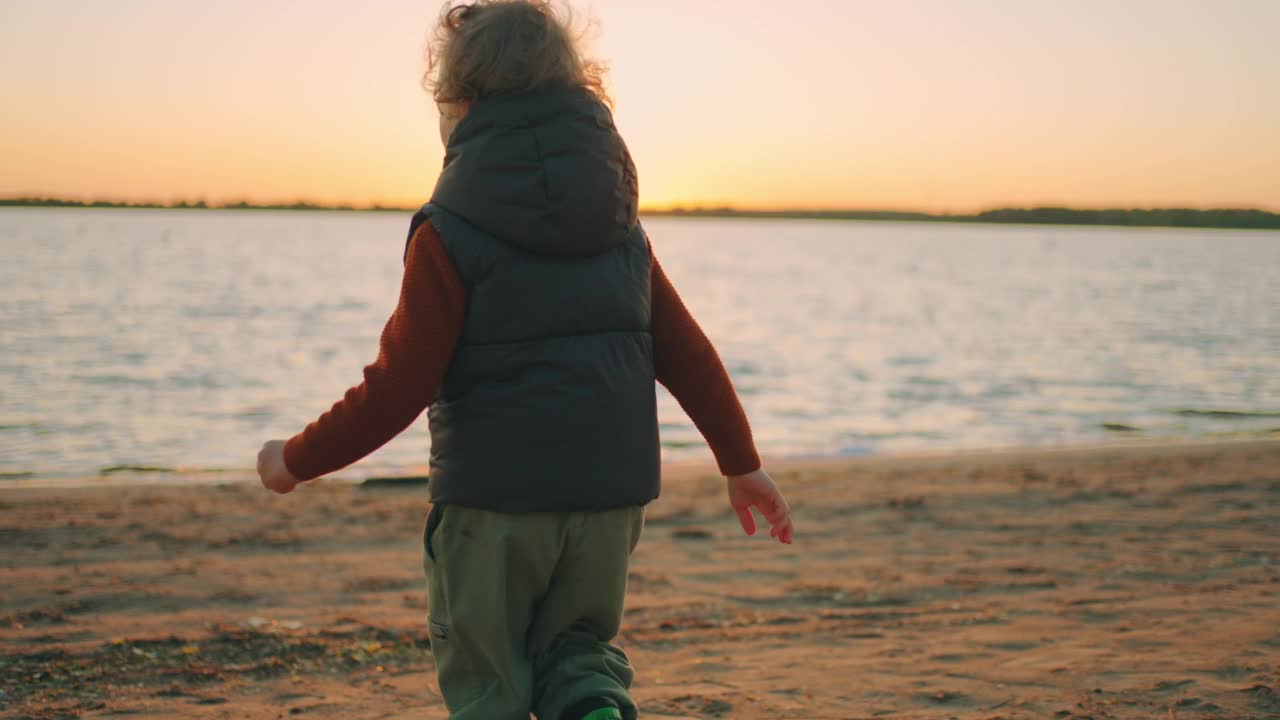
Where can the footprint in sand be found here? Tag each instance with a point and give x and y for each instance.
(1172, 685)
(958, 657)
(692, 533)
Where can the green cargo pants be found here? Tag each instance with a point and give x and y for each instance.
(522, 608)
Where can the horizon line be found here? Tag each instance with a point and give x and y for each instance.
(656, 209)
(1215, 218)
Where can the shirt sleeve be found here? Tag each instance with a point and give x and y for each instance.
(415, 351)
(687, 365)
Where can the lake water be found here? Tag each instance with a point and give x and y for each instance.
(184, 339)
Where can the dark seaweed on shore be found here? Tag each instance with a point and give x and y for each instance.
(174, 665)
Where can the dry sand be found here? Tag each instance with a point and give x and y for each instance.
(1102, 583)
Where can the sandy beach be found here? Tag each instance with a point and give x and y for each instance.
(1139, 582)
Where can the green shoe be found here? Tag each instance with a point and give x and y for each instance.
(604, 714)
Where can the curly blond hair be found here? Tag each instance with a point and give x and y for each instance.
(497, 47)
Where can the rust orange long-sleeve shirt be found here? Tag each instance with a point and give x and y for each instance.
(418, 343)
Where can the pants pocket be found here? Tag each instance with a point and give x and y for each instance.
(437, 602)
(434, 518)
(452, 645)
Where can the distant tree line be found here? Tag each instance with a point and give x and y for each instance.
(1164, 217)
(1232, 218)
(189, 205)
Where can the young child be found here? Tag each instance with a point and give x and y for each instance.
(533, 321)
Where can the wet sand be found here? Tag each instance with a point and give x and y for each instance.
(1093, 583)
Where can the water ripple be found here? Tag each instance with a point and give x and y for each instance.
(183, 340)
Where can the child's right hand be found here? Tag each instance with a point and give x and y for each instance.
(758, 490)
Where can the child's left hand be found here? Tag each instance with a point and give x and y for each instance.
(272, 470)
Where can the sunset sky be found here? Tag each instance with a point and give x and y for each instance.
(951, 105)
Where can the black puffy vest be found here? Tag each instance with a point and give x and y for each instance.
(549, 402)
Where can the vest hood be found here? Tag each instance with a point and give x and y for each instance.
(545, 171)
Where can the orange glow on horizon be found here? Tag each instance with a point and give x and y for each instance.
(939, 107)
